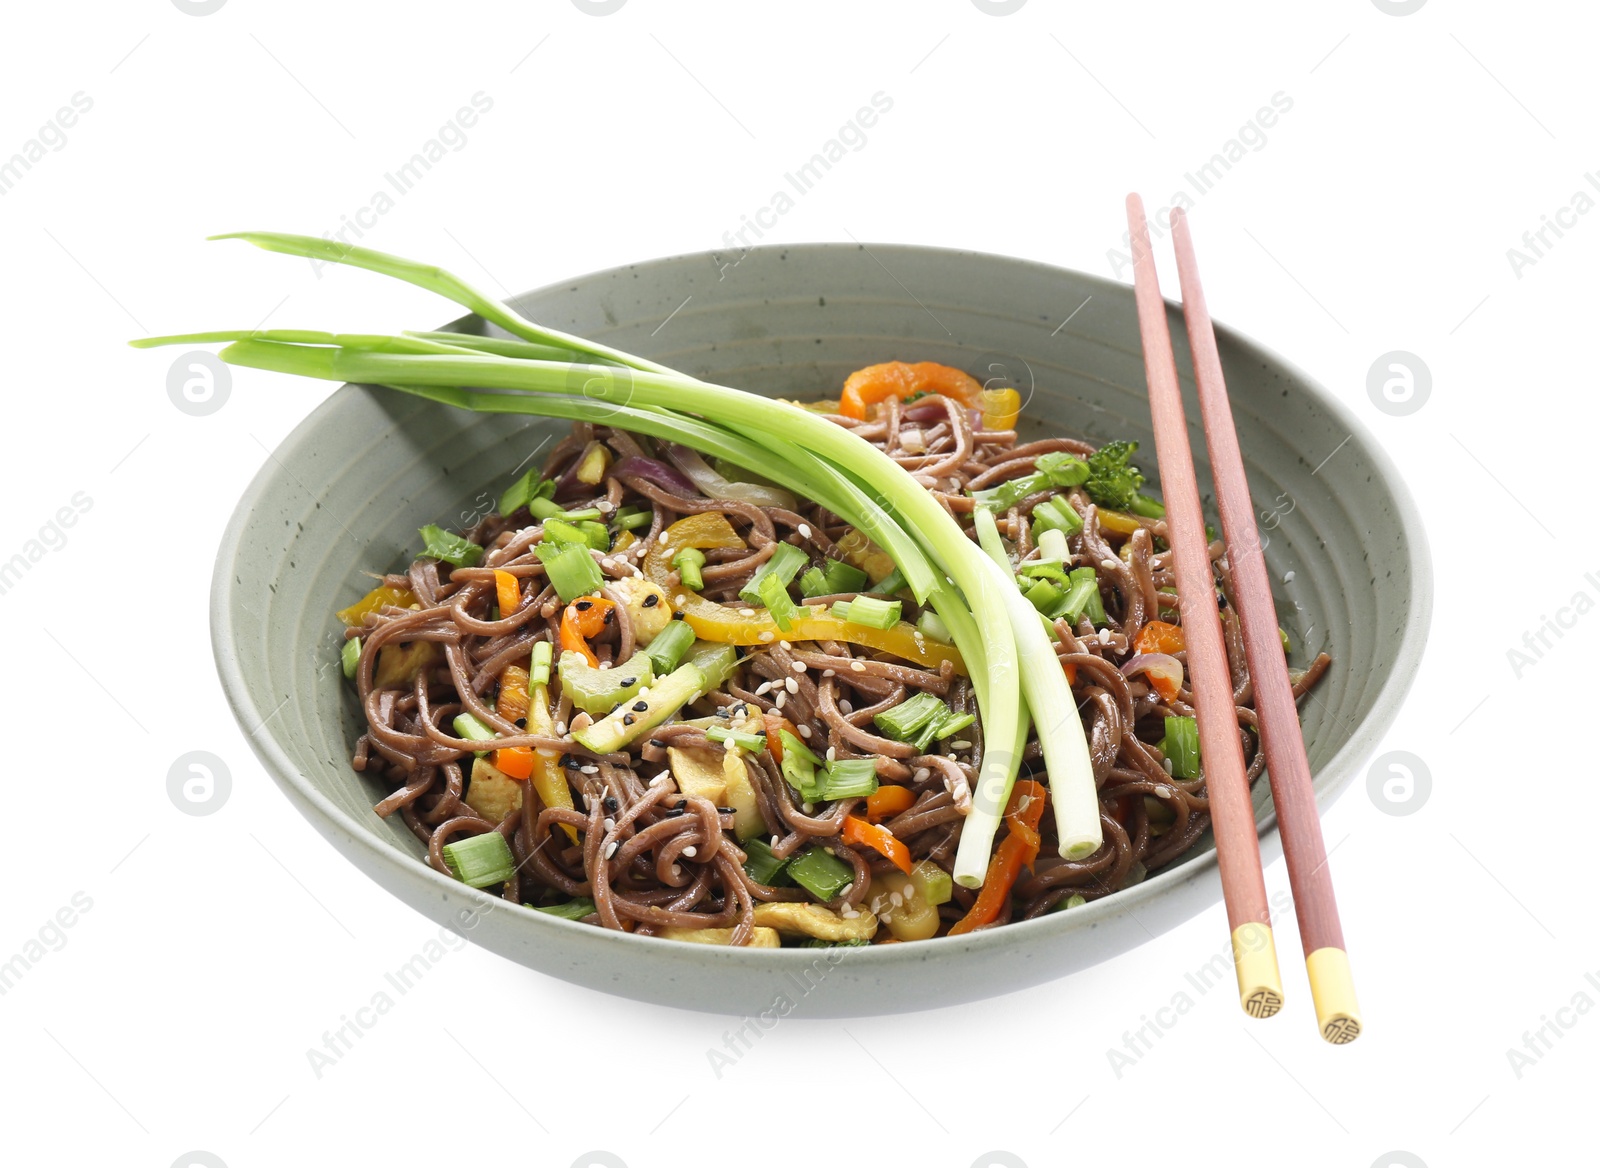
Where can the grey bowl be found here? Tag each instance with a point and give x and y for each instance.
(347, 490)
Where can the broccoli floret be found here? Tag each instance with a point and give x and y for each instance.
(1112, 481)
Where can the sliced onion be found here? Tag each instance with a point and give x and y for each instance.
(714, 486)
(1164, 670)
(637, 466)
(926, 409)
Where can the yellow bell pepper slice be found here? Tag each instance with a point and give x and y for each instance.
(373, 601)
(542, 767)
(718, 622)
(1118, 522)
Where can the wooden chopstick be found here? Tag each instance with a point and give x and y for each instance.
(1233, 818)
(1332, 990)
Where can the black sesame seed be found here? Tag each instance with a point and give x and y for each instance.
(570, 763)
(584, 605)
(610, 615)
(521, 723)
(726, 810)
(651, 601)
(657, 742)
(628, 682)
(611, 803)
(641, 706)
(1222, 601)
(627, 719)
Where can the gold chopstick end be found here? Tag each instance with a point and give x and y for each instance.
(1255, 959)
(1333, 992)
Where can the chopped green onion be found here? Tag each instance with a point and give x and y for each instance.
(848, 778)
(1044, 596)
(560, 531)
(668, 646)
(953, 723)
(760, 864)
(820, 872)
(1056, 514)
(1057, 469)
(868, 611)
(1282, 636)
(545, 509)
(889, 585)
(1182, 747)
(905, 721)
(572, 910)
(831, 578)
(480, 860)
(1147, 507)
(596, 534)
(1053, 546)
(350, 656)
(783, 565)
(633, 517)
(799, 767)
(543, 654)
(452, 549)
(930, 625)
(526, 489)
(1074, 901)
(689, 562)
(571, 569)
(1044, 571)
(775, 595)
(468, 726)
(1095, 607)
(715, 661)
(755, 743)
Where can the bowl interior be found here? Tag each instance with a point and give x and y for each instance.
(344, 496)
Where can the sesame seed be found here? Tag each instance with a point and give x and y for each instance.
(775, 841)
(680, 600)
(605, 506)
(831, 754)
(783, 696)
(747, 612)
(961, 744)
(764, 688)
(896, 899)
(1166, 765)
(662, 539)
(846, 890)
(829, 673)
(1105, 636)
(799, 667)
(920, 775)
(610, 824)
(791, 685)
(611, 849)
(857, 667)
(561, 729)
(849, 913)
(765, 638)
(661, 778)
(805, 731)
(805, 530)
(590, 770)
(783, 645)
(677, 870)
(847, 706)
(691, 851)
(807, 808)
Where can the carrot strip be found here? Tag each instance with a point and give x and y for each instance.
(508, 591)
(1159, 637)
(879, 838)
(1017, 851)
(888, 801)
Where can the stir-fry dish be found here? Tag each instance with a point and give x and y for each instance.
(658, 694)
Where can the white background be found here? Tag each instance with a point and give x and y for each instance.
(176, 1013)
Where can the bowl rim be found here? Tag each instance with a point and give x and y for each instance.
(1342, 766)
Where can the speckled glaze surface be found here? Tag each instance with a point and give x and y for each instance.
(347, 490)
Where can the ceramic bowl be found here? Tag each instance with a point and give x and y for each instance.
(346, 491)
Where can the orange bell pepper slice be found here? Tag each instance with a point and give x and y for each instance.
(508, 592)
(718, 622)
(374, 600)
(584, 618)
(1017, 851)
(877, 383)
(774, 723)
(1159, 637)
(888, 801)
(879, 838)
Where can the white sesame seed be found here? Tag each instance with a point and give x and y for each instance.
(920, 775)
(805, 530)
(608, 564)
(784, 645)
(1105, 636)
(605, 506)
(561, 729)
(763, 688)
(847, 706)
(747, 612)
(829, 673)
(611, 849)
(1110, 565)
(807, 808)
(662, 539)
(896, 899)
(610, 824)
(799, 667)
(775, 841)
(791, 685)
(691, 851)
(589, 770)
(680, 600)
(1166, 765)
(849, 913)
(845, 891)
(661, 778)
(765, 638)
(857, 667)
(805, 731)
(783, 696)
(677, 870)
(961, 744)
(831, 753)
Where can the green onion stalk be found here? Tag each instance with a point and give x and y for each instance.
(553, 374)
